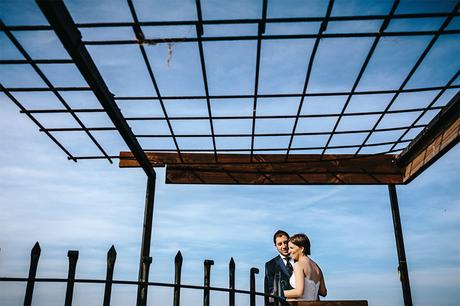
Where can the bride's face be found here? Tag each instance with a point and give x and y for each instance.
(295, 251)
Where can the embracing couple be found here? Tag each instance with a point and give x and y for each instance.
(300, 276)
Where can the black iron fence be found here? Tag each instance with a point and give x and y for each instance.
(277, 299)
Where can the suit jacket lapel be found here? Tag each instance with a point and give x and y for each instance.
(283, 268)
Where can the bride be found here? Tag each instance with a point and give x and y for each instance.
(307, 279)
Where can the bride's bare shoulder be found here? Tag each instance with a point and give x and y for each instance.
(315, 266)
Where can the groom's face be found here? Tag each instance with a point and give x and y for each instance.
(281, 244)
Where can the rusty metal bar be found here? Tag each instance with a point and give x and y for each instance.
(231, 282)
(252, 286)
(177, 278)
(402, 267)
(111, 257)
(207, 280)
(34, 257)
(73, 257)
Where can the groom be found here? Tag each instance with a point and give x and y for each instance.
(282, 264)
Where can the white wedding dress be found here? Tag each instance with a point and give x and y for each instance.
(310, 289)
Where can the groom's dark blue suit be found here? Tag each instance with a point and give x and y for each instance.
(273, 267)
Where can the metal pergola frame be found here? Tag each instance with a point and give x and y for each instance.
(249, 165)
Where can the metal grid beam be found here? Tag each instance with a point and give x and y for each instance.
(395, 145)
(48, 83)
(199, 33)
(382, 29)
(64, 26)
(234, 21)
(140, 37)
(414, 68)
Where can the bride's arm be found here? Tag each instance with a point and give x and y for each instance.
(322, 286)
(299, 283)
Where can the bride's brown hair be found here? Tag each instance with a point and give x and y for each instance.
(301, 240)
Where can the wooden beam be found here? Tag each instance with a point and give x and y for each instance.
(160, 159)
(434, 141)
(277, 174)
(201, 168)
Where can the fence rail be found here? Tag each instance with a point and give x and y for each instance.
(72, 255)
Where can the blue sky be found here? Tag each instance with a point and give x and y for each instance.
(91, 205)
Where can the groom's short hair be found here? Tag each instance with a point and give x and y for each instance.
(279, 233)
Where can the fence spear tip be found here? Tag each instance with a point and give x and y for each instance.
(72, 254)
(208, 262)
(36, 249)
(112, 253)
(178, 257)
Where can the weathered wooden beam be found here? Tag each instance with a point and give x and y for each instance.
(268, 174)
(434, 141)
(201, 168)
(160, 159)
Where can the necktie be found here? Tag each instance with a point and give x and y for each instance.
(289, 265)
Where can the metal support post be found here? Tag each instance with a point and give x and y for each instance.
(402, 268)
(252, 286)
(146, 238)
(207, 281)
(65, 28)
